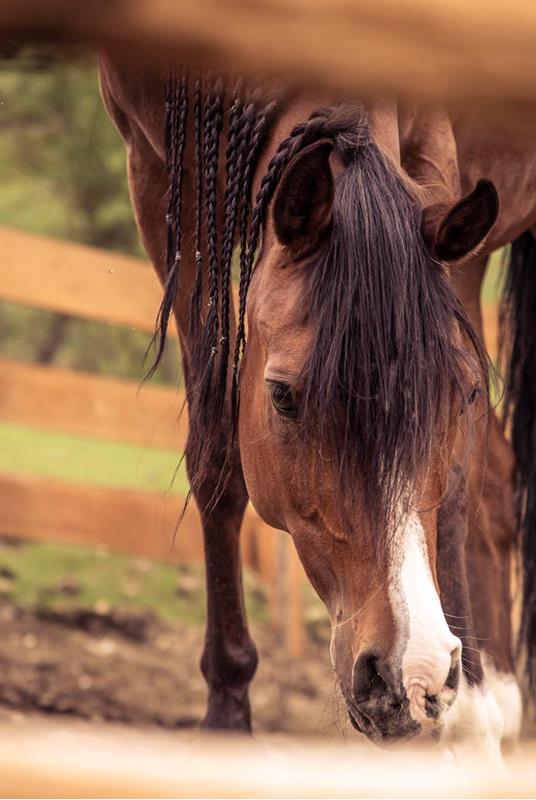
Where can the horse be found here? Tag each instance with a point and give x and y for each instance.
(346, 395)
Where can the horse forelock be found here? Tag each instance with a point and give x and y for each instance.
(385, 359)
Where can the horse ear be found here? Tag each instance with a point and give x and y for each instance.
(456, 232)
(304, 198)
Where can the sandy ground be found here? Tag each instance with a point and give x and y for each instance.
(108, 704)
(132, 668)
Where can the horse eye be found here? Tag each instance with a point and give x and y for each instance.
(472, 397)
(283, 399)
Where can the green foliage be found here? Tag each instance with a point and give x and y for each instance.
(494, 278)
(62, 164)
(63, 174)
(31, 334)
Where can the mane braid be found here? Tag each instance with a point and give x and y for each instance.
(177, 108)
(195, 302)
(204, 401)
(221, 192)
(252, 145)
(213, 125)
(234, 172)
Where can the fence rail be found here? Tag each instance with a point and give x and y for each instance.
(132, 522)
(43, 759)
(92, 284)
(90, 405)
(446, 50)
(81, 281)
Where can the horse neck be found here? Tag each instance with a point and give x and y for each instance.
(428, 152)
(295, 112)
(384, 127)
(419, 143)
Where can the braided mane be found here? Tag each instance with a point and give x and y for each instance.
(384, 362)
(245, 116)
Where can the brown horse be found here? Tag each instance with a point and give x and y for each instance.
(345, 417)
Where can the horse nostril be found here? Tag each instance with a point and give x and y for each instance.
(432, 706)
(367, 680)
(453, 678)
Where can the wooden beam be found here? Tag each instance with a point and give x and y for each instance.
(137, 523)
(47, 757)
(448, 50)
(90, 405)
(295, 632)
(140, 524)
(81, 281)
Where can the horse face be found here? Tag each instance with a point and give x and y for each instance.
(396, 660)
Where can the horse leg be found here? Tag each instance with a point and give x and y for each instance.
(229, 659)
(475, 718)
(491, 537)
(490, 550)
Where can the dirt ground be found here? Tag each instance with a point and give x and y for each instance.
(132, 668)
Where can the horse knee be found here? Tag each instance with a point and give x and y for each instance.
(228, 670)
(226, 665)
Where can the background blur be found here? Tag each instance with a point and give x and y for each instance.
(62, 171)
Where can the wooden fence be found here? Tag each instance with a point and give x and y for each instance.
(91, 284)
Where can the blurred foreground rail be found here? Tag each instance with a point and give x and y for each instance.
(69, 759)
(448, 50)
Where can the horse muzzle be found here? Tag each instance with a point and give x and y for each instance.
(382, 708)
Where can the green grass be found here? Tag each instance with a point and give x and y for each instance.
(34, 574)
(60, 577)
(32, 451)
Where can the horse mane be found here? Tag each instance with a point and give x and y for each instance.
(517, 350)
(391, 344)
(384, 354)
(244, 116)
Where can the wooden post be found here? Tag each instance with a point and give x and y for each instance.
(295, 632)
(280, 586)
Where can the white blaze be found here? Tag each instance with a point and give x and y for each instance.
(481, 715)
(430, 649)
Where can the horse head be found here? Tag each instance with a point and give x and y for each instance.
(360, 368)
